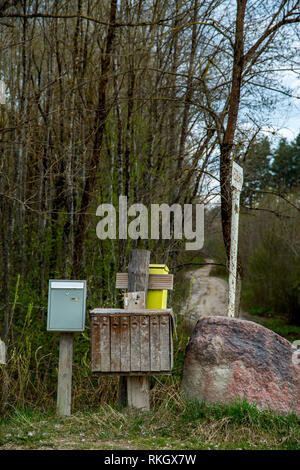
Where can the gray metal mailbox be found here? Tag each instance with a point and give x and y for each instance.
(66, 305)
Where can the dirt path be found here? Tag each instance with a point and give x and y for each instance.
(208, 295)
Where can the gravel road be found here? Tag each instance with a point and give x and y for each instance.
(208, 296)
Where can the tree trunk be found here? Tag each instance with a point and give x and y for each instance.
(99, 126)
(227, 143)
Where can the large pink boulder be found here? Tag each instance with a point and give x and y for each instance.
(229, 358)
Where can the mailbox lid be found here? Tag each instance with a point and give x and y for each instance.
(66, 305)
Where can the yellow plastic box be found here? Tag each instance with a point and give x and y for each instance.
(157, 298)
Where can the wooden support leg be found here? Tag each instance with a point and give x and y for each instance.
(138, 392)
(64, 385)
(138, 387)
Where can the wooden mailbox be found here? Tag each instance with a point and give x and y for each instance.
(131, 341)
(135, 341)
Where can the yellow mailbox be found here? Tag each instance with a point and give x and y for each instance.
(157, 298)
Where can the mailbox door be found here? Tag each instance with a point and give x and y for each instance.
(66, 309)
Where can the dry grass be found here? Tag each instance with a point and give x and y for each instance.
(172, 423)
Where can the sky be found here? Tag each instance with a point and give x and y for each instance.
(289, 127)
(285, 123)
(287, 119)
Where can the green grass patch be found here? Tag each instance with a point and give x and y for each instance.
(280, 326)
(260, 311)
(172, 423)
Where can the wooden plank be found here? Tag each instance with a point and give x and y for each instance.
(136, 311)
(125, 343)
(104, 343)
(171, 345)
(155, 282)
(145, 343)
(135, 344)
(138, 388)
(161, 281)
(134, 300)
(131, 299)
(95, 343)
(64, 384)
(138, 392)
(164, 336)
(154, 343)
(134, 374)
(138, 270)
(115, 343)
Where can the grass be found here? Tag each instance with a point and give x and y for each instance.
(280, 326)
(173, 424)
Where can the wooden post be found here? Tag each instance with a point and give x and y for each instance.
(2, 352)
(64, 384)
(2, 92)
(2, 343)
(138, 387)
(237, 182)
(138, 271)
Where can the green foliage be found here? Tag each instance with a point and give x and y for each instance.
(181, 340)
(259, 311)
(279, 325)
(257, 171)
(267, 169)
(285, 167)
(220, 270)
(272, 282)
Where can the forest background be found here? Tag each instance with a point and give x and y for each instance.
(152, 100)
